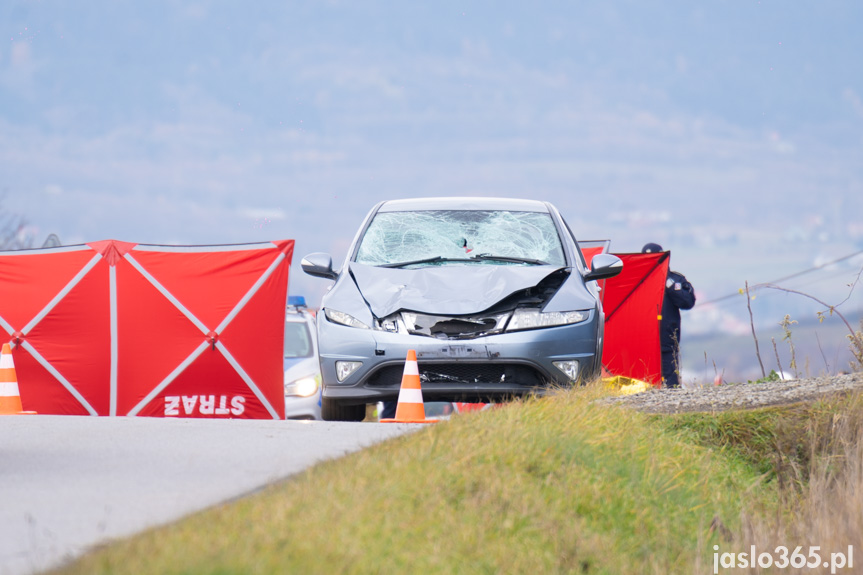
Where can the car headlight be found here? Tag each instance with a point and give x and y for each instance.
(342, 318)
(532, 318)
(392, 323)
(303, 387)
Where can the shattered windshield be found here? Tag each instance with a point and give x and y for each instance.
(442, 236)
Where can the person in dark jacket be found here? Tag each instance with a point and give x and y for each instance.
(678, 295)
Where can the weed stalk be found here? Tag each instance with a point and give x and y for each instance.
(752, 324)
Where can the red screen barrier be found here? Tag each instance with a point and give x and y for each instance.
(632, 303)
(116, 328)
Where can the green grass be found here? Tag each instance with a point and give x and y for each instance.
(545, 486)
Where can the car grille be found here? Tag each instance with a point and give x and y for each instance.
(462, 374)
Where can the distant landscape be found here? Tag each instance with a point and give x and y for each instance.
(820, 349)
(729, 134)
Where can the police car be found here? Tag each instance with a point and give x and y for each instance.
(302, 370)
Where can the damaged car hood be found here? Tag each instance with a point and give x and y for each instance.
(444, 290)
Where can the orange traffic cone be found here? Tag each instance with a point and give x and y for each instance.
(410, 407)
(10, 400)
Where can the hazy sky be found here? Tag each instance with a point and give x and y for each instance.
(731, 132)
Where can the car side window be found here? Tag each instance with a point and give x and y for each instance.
(298, 341)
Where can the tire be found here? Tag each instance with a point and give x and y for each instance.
(333, 411)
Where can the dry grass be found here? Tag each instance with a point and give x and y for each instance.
(828, 511)
(856, 344)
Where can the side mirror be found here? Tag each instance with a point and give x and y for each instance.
(604, 266)
(319, 265)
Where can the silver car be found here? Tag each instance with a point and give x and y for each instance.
(492, 294)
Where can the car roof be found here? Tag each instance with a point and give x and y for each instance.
(459, 203)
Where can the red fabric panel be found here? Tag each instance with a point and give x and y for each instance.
(40, 391)
(208, 284)
(258, 332)
(209, 388)
(154, 339)
(589, 253)
(30, 280)
(632, 304)
(75, 338)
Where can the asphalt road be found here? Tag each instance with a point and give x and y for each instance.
(68, 483)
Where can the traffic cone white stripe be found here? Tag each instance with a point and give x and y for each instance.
(10, 399)
(410, 407)
(9, 389)
(407, 395)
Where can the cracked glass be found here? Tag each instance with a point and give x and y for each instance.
(469, 236)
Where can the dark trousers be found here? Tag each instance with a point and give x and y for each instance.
(389, 410)
(669, 369)
(669, 343)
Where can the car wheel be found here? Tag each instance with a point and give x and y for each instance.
(333, 411)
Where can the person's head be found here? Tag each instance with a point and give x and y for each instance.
(651, 248)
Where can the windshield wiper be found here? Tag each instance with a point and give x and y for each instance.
(423, 261)
(483, 257)
(509, 259)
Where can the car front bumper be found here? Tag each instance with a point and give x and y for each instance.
(487, 368)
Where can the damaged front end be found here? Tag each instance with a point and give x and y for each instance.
(479, 331)
(446, 327)
(519, 311)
